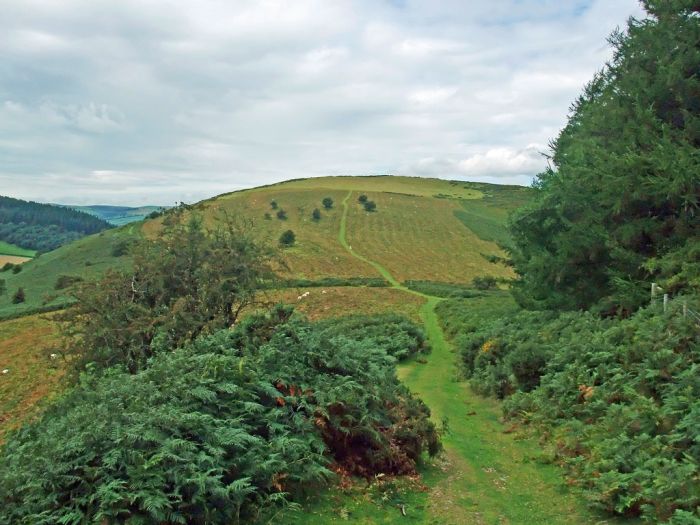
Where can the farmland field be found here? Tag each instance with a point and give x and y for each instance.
(7, 249)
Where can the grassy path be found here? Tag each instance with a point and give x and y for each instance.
(489, 476)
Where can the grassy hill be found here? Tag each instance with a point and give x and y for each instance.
(417, 233)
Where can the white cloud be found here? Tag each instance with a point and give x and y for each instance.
(156, 101)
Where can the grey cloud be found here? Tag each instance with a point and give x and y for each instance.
(156, 101)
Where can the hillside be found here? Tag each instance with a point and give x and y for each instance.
(43, 227)
(344, 240)
(421, 217)
(118, 215)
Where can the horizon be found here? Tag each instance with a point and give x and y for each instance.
(135, 103)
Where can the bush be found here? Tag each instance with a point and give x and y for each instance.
(619, 398)
(7, 267)
(288, 238)
(370, 206)
(267, 216)
(316, 214)
(327, 203)
(16, 268)
(220, 432)
(282, 215)
(19, 296)
(486, 282)
(362, 199)
(120, 248)
(273, 205)
(66, 281)
(3, 287)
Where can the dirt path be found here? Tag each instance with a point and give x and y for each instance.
(489, 476)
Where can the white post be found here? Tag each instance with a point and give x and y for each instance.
(665, 302)
(653, 290)
(685, 309)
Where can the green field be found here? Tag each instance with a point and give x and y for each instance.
(86, 258)
(11, 249)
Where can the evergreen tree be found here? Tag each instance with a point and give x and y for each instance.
(327, 203)
(316, 214)
(619, 207)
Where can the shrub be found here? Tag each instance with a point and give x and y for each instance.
(370, 206)
(362, 199)
(619, 398)
(287, 238)
(316, 214)
(19, 296)
(7, 267)
(486, 282)
(282, 215)
(327, 203)
(120, 248)
(186, 282)
(267, 216)
(16, 268)
(273, 205)
(3, 287)
(65, 281)
(220, 432)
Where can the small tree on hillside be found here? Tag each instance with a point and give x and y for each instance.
(486, 282)
(282, 215)
(273, 204)
(362, 199)
(17, 268)
(19, 296)
(268, 216)
(288, 238)
(327, 203)
(370, 206)
(316, 214)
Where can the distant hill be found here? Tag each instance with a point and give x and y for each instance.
(119, 215)
(44, 227)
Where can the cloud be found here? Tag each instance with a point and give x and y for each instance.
(154, 101)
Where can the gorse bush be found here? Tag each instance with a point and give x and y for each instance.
(222, 431)
(619, 400)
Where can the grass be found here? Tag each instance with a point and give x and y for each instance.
(88, 258)
(10, 249)
(32, 377)
(420, 239)
(322, 303)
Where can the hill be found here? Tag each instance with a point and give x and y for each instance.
(417, 222)
(43, 227)
(118, 215)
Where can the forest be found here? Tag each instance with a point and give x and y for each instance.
(44, 227)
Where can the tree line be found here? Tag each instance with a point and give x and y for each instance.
(44, 227)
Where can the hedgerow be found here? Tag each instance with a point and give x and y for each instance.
(224, 430)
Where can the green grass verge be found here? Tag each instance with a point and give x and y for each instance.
(10, 249)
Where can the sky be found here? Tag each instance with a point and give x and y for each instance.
(158, 101)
